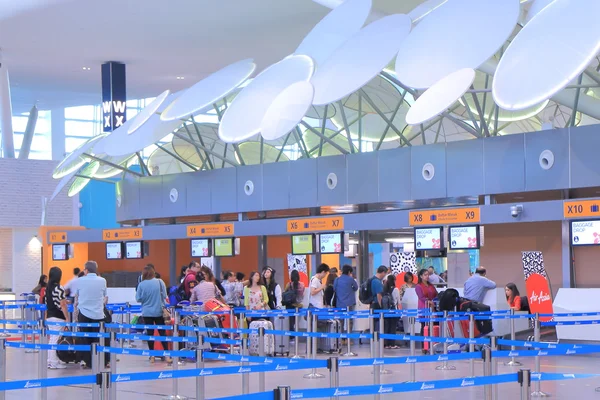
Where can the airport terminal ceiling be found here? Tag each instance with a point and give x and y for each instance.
(355, 92)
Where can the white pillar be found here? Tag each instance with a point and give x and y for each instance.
(8, 145)
(57, 118)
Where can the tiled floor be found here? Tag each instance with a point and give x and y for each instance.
(25, 366)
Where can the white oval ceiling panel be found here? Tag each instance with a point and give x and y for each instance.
(335, 29)
(121, 143)
(81, 181)
(458, 34)
(424, 9)
(76, 158)
(108, 170)
(536, 7)
(243, 117)
(209, 90)
(251, 153)
(533, 70)
(287, 110)
(440, 96)
(144, 115)
(360, 59)
(162, 163)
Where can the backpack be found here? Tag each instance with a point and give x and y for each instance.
(525, 304)
(448, 299)
(365, 294)
(176, 295)
(66, 356)
(387, 301)
(288, 298)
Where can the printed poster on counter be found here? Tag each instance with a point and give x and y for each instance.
(298, 263)
(537, 284)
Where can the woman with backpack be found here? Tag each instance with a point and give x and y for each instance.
(390, 300)
(293, 295)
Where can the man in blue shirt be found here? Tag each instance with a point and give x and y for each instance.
(345, 287)
(377, 290)
(477, 285)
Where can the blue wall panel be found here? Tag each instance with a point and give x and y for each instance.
(504, 167)
(303, 183)
(363, 180)
(464, 174)
(223, 190)
(557, 177)
(276, 185)
(337, 166)
(98, 206)
(394, 174)
(584, 145)
(151, 198)
(434, 154)
(199, 187)
(253, 202)
(177, 208)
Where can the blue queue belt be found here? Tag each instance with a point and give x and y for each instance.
(569, 323)
(252, 396)
(79, 334)
(21, 331)
(541, 345)
(36, 346)
(147, 353)
(176, 339)
(361, 362)
(265, 360)
(402, 387)
(73, 324)
(140, 327)
(435, 339)
(543, 352)
(18, 322)
(50, 382)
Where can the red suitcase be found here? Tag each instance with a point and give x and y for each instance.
(436, 333)
(214, 305)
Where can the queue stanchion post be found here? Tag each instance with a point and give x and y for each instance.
(4, 334)
(431, 335)
(112, 388)
(232, 326)
(513, 336)
(23, 336)
(471, 345)
(334, 373)
(297, 338)
(2, 366)
(33, 333)
(413, 349)
(308, 330)
(371, 332)
(487, 371)
(443, 336)
(313, 340)
(348, 352)
(261, 353)
(95, 371)
(200, 378)
(376, 366)
(494, 365)
(282, 393)
(380, 351)
(175, 365)
(43, 361)
(524, 378)
(245, 377)
(537, 391)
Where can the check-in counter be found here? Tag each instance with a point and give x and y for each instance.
(577, 301)
(121, 295)
(494, 298)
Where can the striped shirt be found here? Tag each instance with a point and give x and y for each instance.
(55, 294)
(204, 292)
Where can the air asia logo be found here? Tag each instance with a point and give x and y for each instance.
(118, 107)
(122, 378)
(383, 389)
(542, 353)
(378, 362)
(410, 360)
(205, 372)
(513, 354)
(268, 361)
(343, 363)
(467, 382)
(339, 392)
(243, 370)
(427, 386)
(571, 352)
(164, 375)
(31, 385)
(572, 376)
(539, 298)
(280, 367)
(442, 358)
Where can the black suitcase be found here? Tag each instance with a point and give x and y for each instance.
(67, 356)
(484, 326)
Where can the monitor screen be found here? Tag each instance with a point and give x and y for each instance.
(114, 250)
(429, 238)
(331, 243)
(134, 250)
(201, 248)
(60, 252)
(303, 244)
(224, 247)
(585, 233)
(464, 237)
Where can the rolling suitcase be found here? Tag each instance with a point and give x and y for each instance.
(214, 305)
(254, 339)
(67, 356)
(330, 345)
(482, 327)
(282, 343)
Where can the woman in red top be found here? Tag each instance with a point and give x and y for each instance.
(513, 297)
(426, 293)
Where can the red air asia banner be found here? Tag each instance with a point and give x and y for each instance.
(537, 284)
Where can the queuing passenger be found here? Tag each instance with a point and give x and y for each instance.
(444, 276)
(40, 289)
(91, 294)
(315, 298)
(329, 297)
(69, 286)
(477, 285)
(298, 287)
(191, 279)
(151, 294)
(206, 289)
(377, 291)
(433, 277)
(255, 294)
(273, 289)
(345, 288)
(390, 301)
(426, 292)
(184, 272)
(408, 283)
(513, 297)
(56, 303)
(233, 289)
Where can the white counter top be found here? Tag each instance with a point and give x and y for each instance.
(577, 301)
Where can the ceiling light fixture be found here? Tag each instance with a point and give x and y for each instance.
(400, 240)
(86, 68)
(180, 78)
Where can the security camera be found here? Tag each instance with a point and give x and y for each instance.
(516, 211)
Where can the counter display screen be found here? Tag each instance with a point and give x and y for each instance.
(134, 250)
(464, 237)
(303, 244)
(331, 243)
(429, 238)
(585, 233)
(224, 247)
(201, 248)
(114, 250)
(60, 252)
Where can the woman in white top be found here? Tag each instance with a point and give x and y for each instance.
(273, 289)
